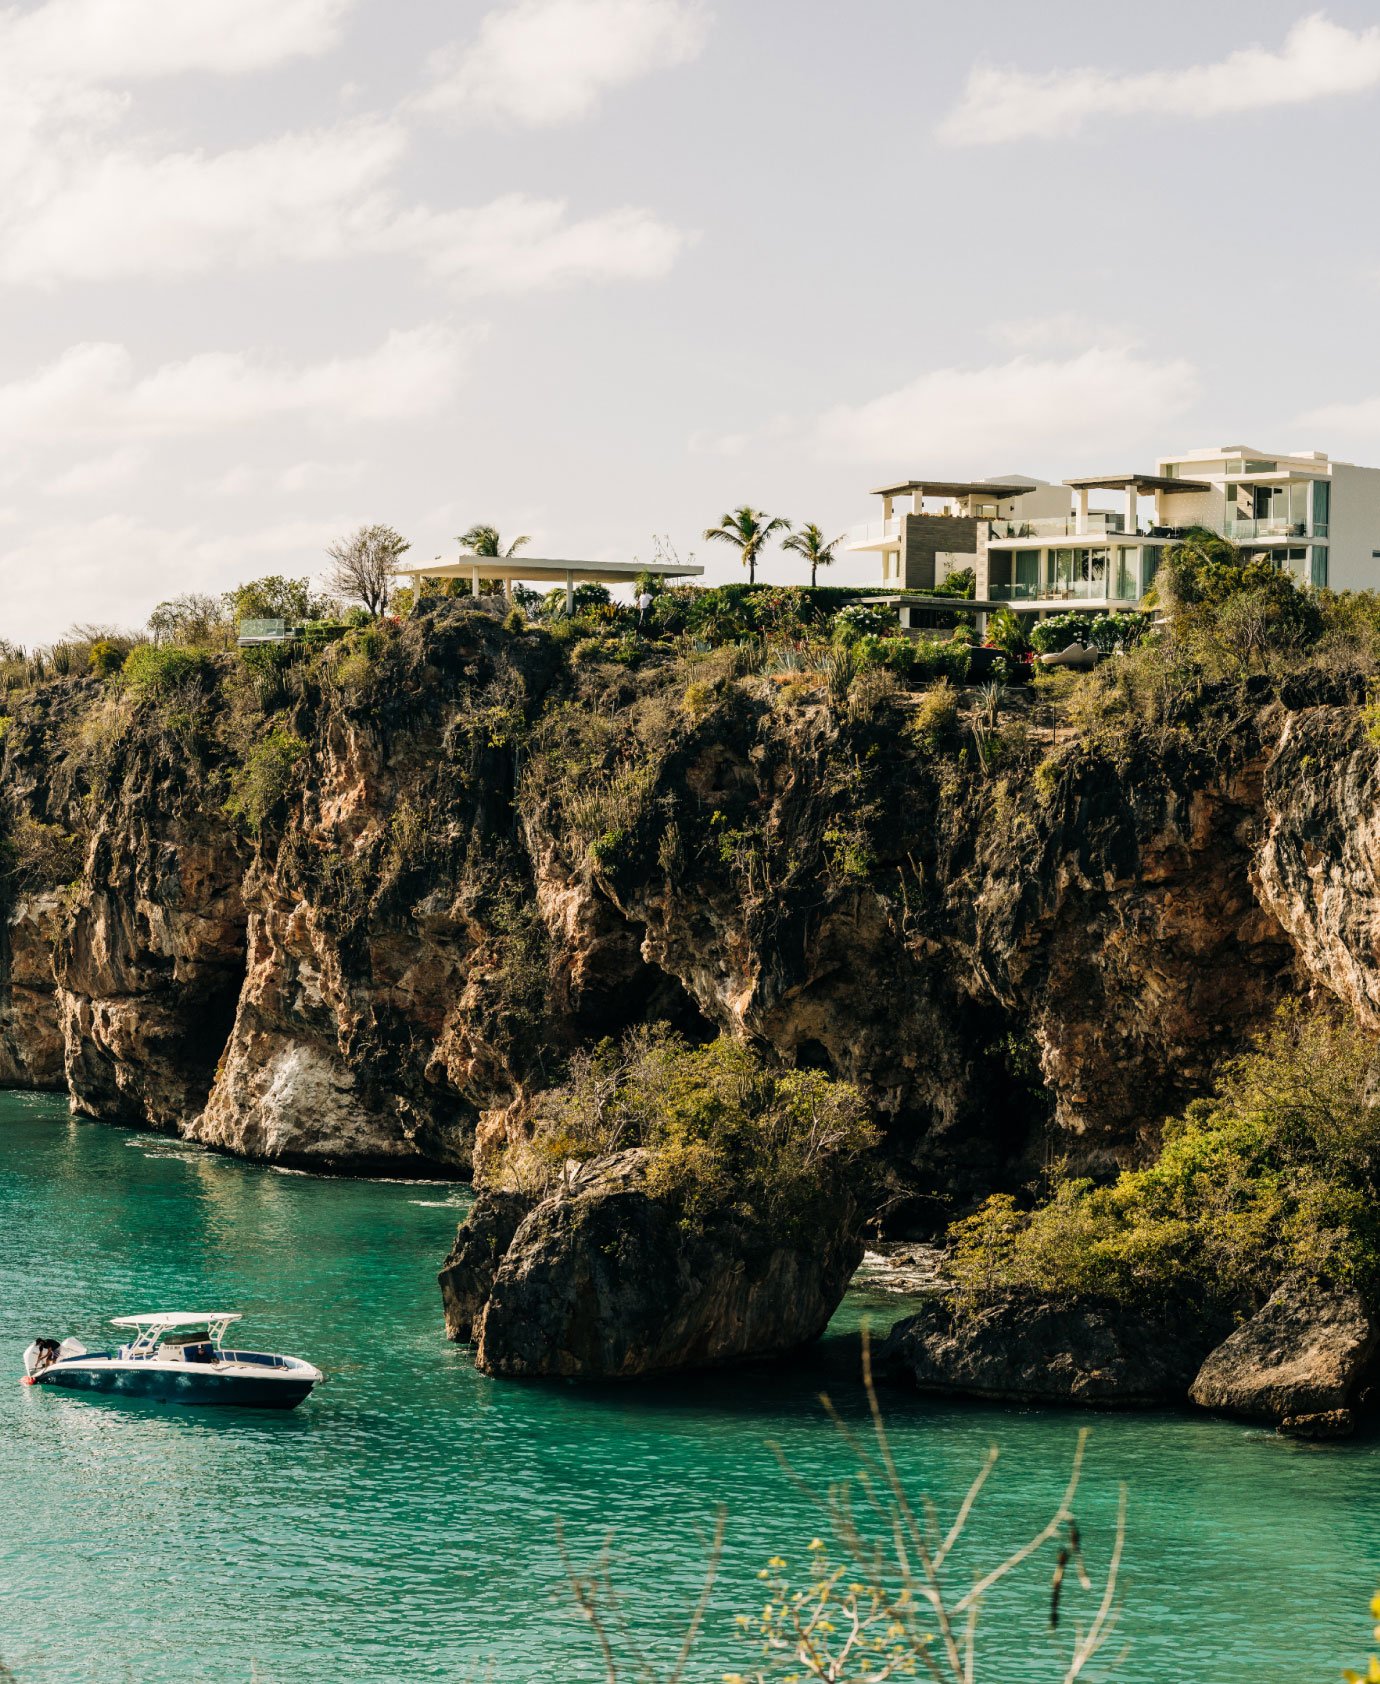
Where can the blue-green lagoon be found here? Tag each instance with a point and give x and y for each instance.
(401, 1524)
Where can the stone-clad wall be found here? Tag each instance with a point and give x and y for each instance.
(923, 536)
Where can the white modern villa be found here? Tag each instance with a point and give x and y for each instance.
(1044, 548)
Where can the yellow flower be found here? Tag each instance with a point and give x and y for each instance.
(1375, 1605)
(818, 1544)
(776, 1561)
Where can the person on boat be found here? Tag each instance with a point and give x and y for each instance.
(43, 1353)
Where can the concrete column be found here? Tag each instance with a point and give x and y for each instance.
(570, 593)
(1080, 525)
(474, 580)
(1131, 508)
(917, 502)
(887, 505)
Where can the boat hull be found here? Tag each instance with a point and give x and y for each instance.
(163, 1385)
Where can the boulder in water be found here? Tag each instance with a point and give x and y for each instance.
(1023, 1348)
(601, 1279)
(467, 1275)
(1305, 1353)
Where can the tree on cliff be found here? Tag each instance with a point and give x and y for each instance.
(364, 564)
(749, 531)
(810, 544)
(484, 540)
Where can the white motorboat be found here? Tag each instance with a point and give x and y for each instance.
(175, 1357)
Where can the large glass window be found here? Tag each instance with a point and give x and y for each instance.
(1027, 573)
(1150, 564)
(1322, 510)
(1319, 566)
(1127, 569)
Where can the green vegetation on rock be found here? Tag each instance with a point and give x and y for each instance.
(726, 1130)
(1278, 1174)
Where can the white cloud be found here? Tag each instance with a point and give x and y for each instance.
(82, 212)
(542, 62)
(87, 213)
(92, 391)
(1047, 410)
(97, 474)
(85, 198)
(314, 476)
(91, 42)
(1317, 60)
(1357, 422)
(521, 244)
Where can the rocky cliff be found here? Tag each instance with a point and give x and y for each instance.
(479, 853)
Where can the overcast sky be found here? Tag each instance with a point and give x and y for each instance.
(595, 270)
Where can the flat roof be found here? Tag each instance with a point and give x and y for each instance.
(530, 567)
(955, 488)
(1142, 482)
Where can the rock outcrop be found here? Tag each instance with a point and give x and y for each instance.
(31, 1031)
(468, 1274)
(1018, 1348)
(1307, 1353)
(601, 1280)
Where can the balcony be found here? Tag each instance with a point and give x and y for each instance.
(875, 534)
(1247, 530)
(1076, 590)
(1098, 524)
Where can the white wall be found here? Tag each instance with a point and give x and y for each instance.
(1354, 528)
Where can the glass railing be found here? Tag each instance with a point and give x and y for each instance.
(874, 532)
(1077, 590)
(1099, 521)
(1267, 528)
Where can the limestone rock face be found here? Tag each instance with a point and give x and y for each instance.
(468, 1274)
(408, 951)
(1019, 1348)
(1318, 866)
(603, 1282)
(31, 1038)
(1306, 1353)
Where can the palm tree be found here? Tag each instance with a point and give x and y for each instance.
(809, 543)
(748, 530)
(484, 540)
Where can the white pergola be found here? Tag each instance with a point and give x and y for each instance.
(528, 570)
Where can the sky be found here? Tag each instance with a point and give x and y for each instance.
(597, 271)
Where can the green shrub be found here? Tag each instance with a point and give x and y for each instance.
(698, 700)
(1278, 1174)
(932, 660)
(159, 672)
(860, 619)
(934, 721)
(105, 659)
(259, 785)
(1050, 636)
(35, 856)
(780, 1147)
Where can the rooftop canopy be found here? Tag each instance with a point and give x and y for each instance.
(1146, 483)
(954, 488)
(511, 569)
(528, 567)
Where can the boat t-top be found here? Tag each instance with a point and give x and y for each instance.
(176, 1356)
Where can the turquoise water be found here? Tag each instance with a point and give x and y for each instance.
(401, 1524)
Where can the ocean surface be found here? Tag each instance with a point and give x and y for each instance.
(402, 1524)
